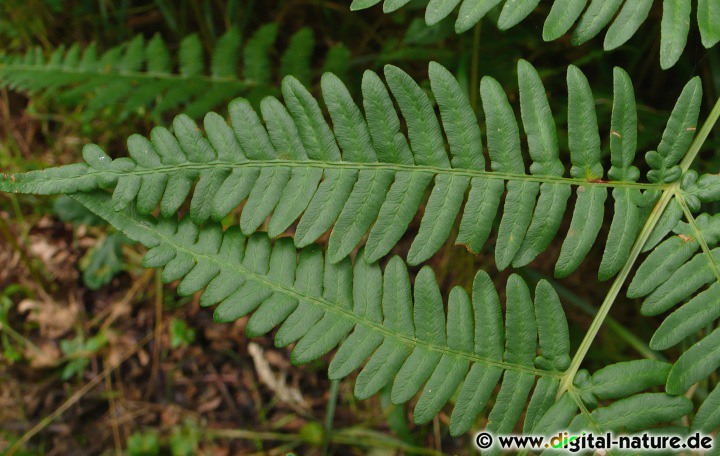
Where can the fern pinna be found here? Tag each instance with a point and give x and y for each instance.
(589, 19)
(401, 333)
(141, 75)
(295, 168)
(365, 175)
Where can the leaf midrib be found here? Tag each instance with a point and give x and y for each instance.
(396, 167)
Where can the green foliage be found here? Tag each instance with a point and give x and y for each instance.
(184, 439)
(180, 334)
(70, 211)
(78, 351)
(293, 168)
(144, 444)
(12, 344)
(364, 176)
(588, 17)
(685, 269)
(103, 262)
(143, 76)
(401, 332)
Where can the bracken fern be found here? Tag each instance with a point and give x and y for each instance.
(364, 175)
(141, 75)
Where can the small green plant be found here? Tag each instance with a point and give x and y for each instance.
(183, 441)
(102, 262)
(144, 444)
(78, 352)
(12, 342)
(180, 334)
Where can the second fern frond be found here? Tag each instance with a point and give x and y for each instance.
(142, 75)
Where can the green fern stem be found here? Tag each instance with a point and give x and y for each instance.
(569, 376)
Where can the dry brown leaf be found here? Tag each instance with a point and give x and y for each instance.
(53, 318)
(277, 384)
(48, 355)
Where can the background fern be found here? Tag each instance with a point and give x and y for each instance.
(143, 76)
(590, 19)
(295, 167)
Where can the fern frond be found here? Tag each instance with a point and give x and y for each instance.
(589, 19)
(401, 333)
(143, 76)
(368, 176)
